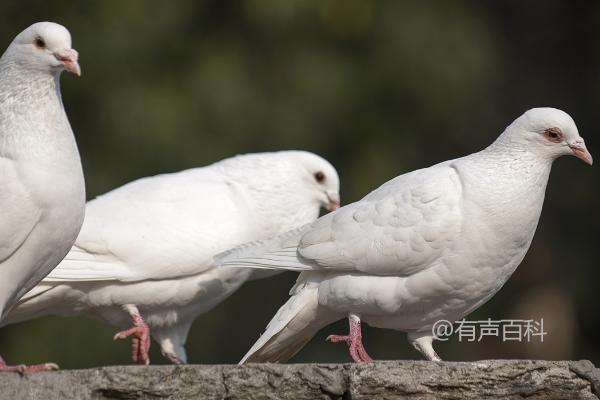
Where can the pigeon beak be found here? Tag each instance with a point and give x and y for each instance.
(333, 202)
(580, 151)
(68, 58)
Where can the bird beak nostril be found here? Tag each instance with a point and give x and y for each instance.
(69, 57)
(580, 151)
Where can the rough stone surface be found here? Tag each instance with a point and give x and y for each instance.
(496, 379)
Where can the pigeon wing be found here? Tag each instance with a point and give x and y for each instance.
(399, 229)
(162, 227)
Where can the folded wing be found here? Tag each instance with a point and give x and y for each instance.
(162, 227)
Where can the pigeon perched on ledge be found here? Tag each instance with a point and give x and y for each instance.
(43, 192)
(431, 244)
(144, 251)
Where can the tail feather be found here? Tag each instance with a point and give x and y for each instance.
(279, 252)
(37, 291)
(296, 322)
(38, 302)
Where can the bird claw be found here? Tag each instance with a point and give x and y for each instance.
(354, 342)
(23, 369)
(140, 342)
(40, 367)
(359, 353)
(339, 338)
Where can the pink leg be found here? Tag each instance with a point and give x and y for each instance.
(140, 333)
(353, 340)
(22, 369)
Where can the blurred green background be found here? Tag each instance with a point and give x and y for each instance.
(377, 87)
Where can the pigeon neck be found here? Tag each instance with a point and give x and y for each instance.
(515, 145)
(510, 150)
(38, 125)
(503, 177)
(505, 187)
(514, 162)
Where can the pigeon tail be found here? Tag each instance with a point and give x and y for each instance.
(38, 302)
(296, 322)
(279, 252)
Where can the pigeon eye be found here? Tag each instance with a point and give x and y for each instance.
(39, 43)
(319, 176)
(553, 134)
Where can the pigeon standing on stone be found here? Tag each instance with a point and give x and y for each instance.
(43, 193)
(145, 250)
(432, 244)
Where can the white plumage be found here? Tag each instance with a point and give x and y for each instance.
(146, 248)
(431, 244)
(43, 193)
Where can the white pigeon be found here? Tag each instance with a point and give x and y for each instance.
(431, 244)
(43, 191)
(145, 249)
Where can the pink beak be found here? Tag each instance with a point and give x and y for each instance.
(334, 202)
(580, 151)
(69, 57)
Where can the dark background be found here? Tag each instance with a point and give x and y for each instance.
(378, 88)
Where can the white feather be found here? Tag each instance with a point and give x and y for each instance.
(151, 242)
(43, 192)
(431, 244)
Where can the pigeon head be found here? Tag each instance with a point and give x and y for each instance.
(549, 133)
(46, 47)
(320, 178)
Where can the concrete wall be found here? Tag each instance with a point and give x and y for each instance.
(497, 379)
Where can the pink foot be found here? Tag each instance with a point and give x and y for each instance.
(22, 369)
(140, 341)
(353, 340)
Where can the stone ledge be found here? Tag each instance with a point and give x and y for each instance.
(493, 379)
